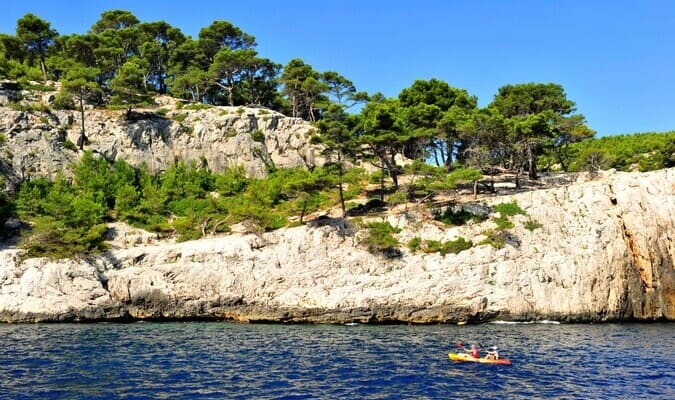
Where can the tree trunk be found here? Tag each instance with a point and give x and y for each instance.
(43, 66)
(340, 174)
(448, 149)
(531, 163)
(83, 136)
(382, 184)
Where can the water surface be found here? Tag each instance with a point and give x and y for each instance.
(235, 361)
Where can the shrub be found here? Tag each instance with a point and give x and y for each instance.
(456, 246)
(36, 87)
(162, 111)
(351, 192)
(376, 177)
(63, 101)
(432, 246)
(380, 238)
(494, 239)
(531, 225)
(458, 218)
(503, 223)
(397, 198)
(40, 107)
(354, 176)
(69, 145)
(258, 136)
(509, 209)
(197, 106)
(179, 117)
(415, 244)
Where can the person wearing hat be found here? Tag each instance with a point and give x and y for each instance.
(492, 353)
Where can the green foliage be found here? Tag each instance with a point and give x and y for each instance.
(38, 107)
(397, 198)
(449, 247)
(448, 181)
(455, 246)
(494, 239)
(458, 218)
(643, 151)
(509, 209)
(162, 111)
(63, 101)
(69, 145)
(531, 225)
(380, 237)
(197, 106)
(180, 117)
(352, 191)
(354, 176)
(258, 136)
(415, 244)
(64, 220)
(37, 87)
(503, 222)
(376, 176)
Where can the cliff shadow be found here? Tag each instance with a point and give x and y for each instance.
(146, 127)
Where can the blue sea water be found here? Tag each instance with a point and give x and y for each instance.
(237, 361)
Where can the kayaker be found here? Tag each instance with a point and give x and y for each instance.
(474, 351)
(492, 354)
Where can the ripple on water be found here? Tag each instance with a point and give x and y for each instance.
(219, 360)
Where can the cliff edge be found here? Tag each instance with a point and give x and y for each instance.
(605, 251)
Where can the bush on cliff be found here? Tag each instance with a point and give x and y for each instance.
(380, 239)
(63, 221)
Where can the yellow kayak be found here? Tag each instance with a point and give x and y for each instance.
(468, 358)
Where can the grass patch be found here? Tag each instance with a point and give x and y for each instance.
(197, 106)
(40, 107)
(415, 244)
(503, 222)
(531, 225)
(494, 239)
(179, 117)
(450, 247)
(509, 209)
(455, 246)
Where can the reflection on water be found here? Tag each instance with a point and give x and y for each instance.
(222, 360)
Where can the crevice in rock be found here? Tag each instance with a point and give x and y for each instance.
(643, 270)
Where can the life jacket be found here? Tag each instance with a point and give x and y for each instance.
(475, 353)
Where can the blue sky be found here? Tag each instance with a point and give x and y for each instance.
(615, 59)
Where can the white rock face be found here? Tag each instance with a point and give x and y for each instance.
(221, 137)
(605, 251)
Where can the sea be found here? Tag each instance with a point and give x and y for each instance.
(221, 360)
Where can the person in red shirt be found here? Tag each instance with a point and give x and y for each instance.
(474, 351)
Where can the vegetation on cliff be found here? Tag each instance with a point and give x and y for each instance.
(122, 62)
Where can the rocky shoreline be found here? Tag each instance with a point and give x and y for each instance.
(605, 251)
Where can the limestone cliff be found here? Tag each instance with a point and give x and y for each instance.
(42, 143)
(605, 251)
